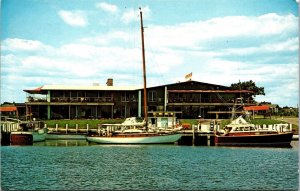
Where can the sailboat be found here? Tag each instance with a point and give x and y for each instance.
(131, 131)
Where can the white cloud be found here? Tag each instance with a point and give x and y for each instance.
(74, 18)
(194, 34)
(171, 52)
(15, 44)
(289, 44)
(107, 7)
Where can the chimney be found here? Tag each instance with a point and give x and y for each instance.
(110, 82)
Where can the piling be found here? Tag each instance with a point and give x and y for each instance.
(208, 140)
(193, 141)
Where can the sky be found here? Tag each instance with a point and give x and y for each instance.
(82, 42)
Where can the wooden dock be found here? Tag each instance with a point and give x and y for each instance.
(190, 137)
(194, 136)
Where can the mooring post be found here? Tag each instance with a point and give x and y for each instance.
(66, 128)
(193, 141)
(56, 127)
(76, 128)
(208, 140)
(87, 128)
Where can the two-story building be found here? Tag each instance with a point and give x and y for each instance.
(191, 98)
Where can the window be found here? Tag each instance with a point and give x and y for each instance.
(152, 96)
(125, 97)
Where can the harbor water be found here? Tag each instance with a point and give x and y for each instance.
(78, 165)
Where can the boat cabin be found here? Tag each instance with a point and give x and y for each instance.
(165, 120)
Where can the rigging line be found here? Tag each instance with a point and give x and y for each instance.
(224, 101)
(154, 58)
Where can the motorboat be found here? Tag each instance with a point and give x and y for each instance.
(28, 133)
(241, 133)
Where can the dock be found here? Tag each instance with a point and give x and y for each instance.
(196, 135)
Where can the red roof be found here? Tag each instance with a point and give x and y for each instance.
(257, 108)
(36, 90)
(8, 108)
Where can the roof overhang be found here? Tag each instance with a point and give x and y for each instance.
(44, 89)
(8, 108)
(210, 91)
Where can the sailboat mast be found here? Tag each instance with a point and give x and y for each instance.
(144, 69)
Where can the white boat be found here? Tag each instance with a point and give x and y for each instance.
(131, 131)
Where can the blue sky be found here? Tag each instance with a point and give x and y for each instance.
(87, 41)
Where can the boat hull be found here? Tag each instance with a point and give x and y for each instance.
(140, 139)
(37, 136)
(280, 139)
(21, 138)
(27, 137)
(64, 136)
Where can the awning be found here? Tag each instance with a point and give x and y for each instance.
(8, 108)
(257, 108)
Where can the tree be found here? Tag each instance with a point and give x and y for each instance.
(248, 85)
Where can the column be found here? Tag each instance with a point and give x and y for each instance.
(69, 111)
(140, 104)
(48, 96)
(48, 112)
(166, 98)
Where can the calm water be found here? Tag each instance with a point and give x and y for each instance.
(75, 165)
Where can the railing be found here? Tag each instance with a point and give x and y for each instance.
(203, 100)
(33, 99)
(81, 99)
(73, 99)
(111, 99)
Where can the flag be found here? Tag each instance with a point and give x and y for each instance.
(189, 76)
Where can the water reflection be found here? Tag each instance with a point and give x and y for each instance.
(67, 143)
(295, 144)
(63, 143)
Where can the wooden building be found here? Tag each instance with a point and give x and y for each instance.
(13, 110)
(191, 98)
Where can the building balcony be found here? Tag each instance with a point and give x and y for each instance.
(76, 100)
(204, 101)
(82, 99)
(35, 99)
